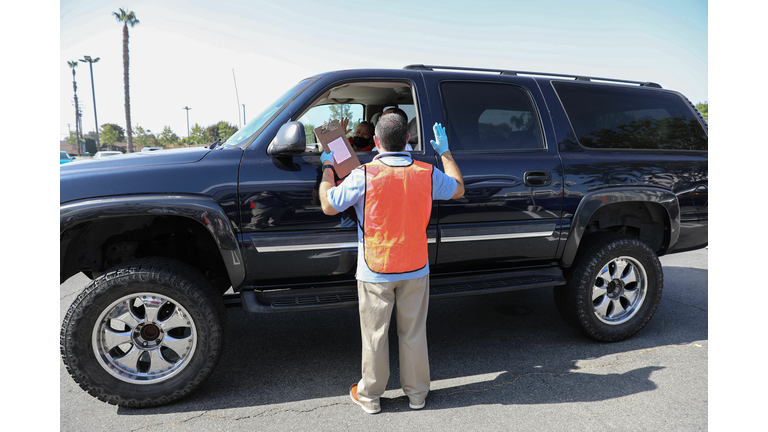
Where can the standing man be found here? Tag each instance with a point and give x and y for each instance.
(392, 197)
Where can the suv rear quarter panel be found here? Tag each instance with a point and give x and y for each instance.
(682, 172)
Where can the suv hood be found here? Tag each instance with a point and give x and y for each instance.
(136, 173)
(140, 159)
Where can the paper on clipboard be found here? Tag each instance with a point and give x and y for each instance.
(339, 149)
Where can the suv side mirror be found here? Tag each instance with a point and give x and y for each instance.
(289, 141)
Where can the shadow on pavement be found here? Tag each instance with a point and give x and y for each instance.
(281, 358)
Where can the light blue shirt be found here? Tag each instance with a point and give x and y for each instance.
(351, 192)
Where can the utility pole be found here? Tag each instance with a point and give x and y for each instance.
(79, 128)
(90, 61)
(187, 109)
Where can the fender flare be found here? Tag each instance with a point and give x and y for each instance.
(204, 210)
(598, 199)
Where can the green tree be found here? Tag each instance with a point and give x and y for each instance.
(340, 110)
(108, 135)
(145, 137)
(211, 133)
(72, 139)
(309, 132)
(119, 129)
(226, 130)
(221, 130)
(197, 135)
(703, 109)
(344, 110)
(128, 19)
(167, 137)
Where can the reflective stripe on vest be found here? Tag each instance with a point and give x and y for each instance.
(398, 204)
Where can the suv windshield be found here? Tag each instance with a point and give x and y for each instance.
(240, 139)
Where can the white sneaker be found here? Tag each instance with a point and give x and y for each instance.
(353, 396)
(417, 407)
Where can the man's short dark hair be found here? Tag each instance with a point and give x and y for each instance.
(392, 132)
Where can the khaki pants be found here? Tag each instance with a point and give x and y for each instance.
(376, 303)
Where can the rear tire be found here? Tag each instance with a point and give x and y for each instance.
(144, 334)
(613, 288)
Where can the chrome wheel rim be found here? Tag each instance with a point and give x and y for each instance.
(144, 338)
(619, 290)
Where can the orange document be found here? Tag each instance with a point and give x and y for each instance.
(333, 138)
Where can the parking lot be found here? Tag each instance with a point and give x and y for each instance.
(499, 362)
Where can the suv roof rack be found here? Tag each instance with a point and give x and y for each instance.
(511, 72)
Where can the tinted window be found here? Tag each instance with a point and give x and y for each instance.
(489, 116)
(604, 116)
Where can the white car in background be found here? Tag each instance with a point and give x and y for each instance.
(104, 154)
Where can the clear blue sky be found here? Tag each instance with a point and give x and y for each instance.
(183, 53)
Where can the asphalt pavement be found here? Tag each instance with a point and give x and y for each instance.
(499, 362)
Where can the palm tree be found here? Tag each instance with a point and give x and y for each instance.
(128, 19)
(73, 64)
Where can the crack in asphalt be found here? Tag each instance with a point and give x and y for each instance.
(238, 418)
(279, 410)
(168, 424)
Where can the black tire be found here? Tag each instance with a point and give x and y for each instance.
(144, 334)
(613, 287)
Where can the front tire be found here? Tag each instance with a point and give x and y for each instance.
(144, 334)
(613, 288)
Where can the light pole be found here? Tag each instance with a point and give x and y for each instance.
(90, 61)
(187, 108)
(244, 115)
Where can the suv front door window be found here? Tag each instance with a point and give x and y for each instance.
(319, 114)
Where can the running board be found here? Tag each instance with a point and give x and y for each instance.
(346, 296)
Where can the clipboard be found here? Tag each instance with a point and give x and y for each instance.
(333, 138)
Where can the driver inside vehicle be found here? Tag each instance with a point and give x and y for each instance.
(362, 140)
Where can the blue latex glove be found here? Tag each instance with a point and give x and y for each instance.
(326, 157)
(441, 146)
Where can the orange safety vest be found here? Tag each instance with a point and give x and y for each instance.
(398, 205)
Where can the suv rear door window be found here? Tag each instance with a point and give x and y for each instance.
(490, 117)
(617, 117)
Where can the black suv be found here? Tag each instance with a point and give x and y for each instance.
(572, 182)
